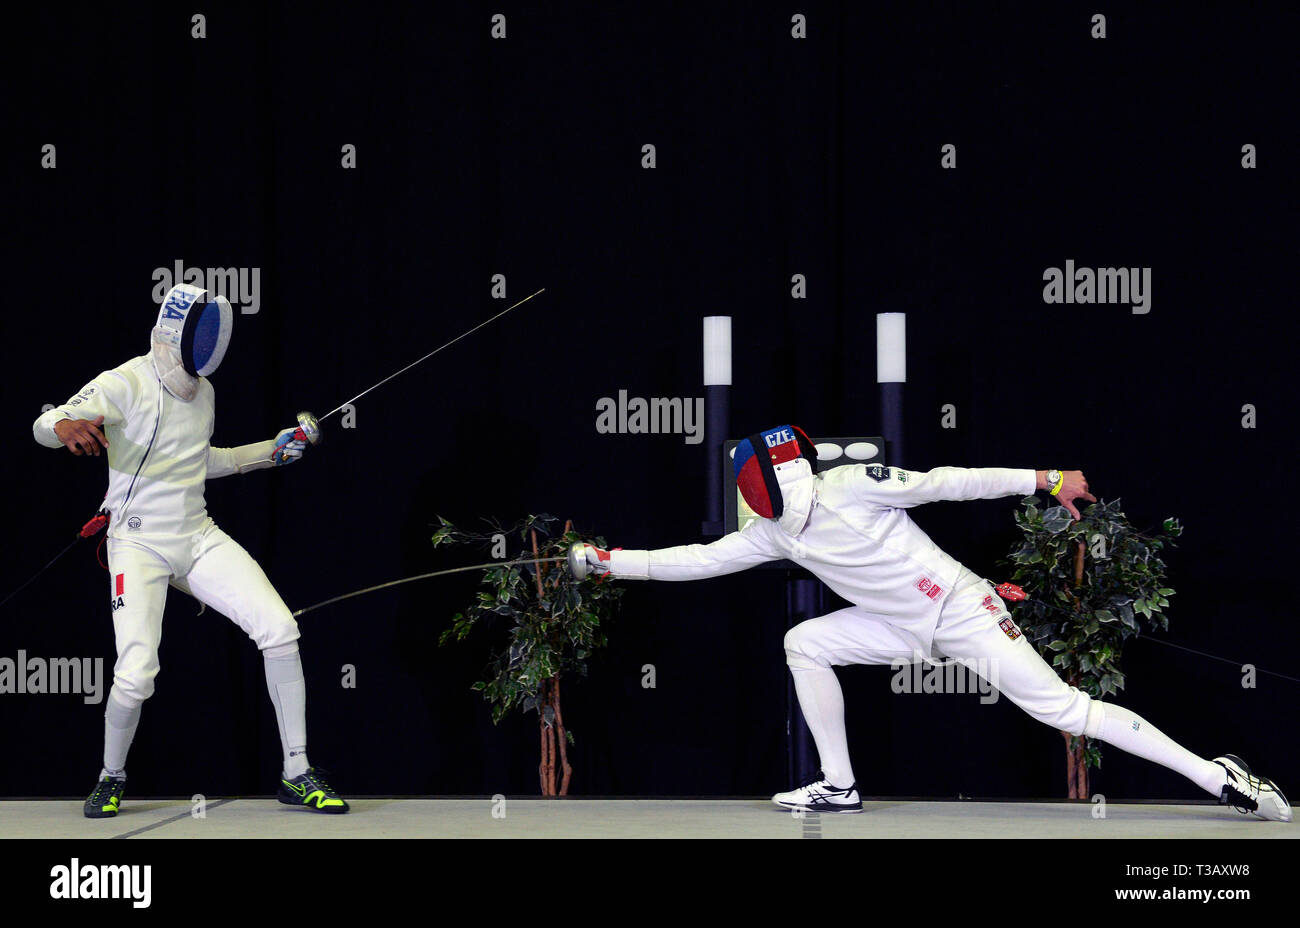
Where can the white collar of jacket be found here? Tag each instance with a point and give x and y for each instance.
(167, 364)
(797, 483)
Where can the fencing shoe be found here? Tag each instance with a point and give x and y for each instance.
(819, 795)
(106, 798)
(312, 792)
(1247, 792)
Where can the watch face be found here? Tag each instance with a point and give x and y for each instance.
(1053, 476)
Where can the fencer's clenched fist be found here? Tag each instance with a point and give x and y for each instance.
(289, 446)
(81, 436)
(597, 560)
(1073, 486)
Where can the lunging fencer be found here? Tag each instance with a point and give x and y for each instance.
(154, 417)
(849, 526)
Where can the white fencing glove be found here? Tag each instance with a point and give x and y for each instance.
(597, 560)
(289, 446)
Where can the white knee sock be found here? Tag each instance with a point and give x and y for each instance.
(1124, 729)
(284, 681)
(120, 719)
(822, 703)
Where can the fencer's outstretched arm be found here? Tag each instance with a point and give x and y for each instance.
(730, 553)
(284, 448)
(901, 489)
(225, 461)
(897, 488)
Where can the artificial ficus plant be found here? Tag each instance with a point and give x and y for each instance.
(556, 622)
(1092, 585)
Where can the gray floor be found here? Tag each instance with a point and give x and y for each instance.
(630, 818)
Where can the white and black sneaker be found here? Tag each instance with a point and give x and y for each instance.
(819, 795)
(1247, 792)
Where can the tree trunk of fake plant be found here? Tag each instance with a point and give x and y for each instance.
(1076, 764)
(555, 764)
(561, 737)
(546, 769)
(551, 763)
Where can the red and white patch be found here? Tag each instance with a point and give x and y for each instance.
(1011, 592)
(929, 587)
(118, 599)
(1010, 628)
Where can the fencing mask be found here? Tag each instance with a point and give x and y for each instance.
(190, 337)
(774, 472)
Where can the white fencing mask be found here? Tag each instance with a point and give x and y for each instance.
(190, 337)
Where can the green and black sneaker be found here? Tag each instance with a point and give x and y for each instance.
(310, 791)
(107, 797)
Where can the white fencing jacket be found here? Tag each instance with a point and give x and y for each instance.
(159, 455)
(858, 539)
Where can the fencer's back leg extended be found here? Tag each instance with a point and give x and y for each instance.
(1019, 672)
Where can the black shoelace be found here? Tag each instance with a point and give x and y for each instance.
(1238, 798)
(815, 777)
(103, 788)
(318, 777)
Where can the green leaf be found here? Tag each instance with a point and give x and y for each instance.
(1058, 645)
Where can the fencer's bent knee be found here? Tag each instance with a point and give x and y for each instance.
(796, 653)
(279, 633)
(129, 690)
(281, 652)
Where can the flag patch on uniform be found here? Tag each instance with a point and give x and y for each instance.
(1010, 628)
(121, 584)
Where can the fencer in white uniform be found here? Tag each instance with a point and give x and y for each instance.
(154, 416)
(849, 526)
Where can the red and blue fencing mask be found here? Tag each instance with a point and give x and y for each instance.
(756, 461)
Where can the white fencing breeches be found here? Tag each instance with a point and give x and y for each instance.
(976, 630)
(223, 576)
(968, 631)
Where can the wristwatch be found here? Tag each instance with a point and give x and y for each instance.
(1054, 481)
